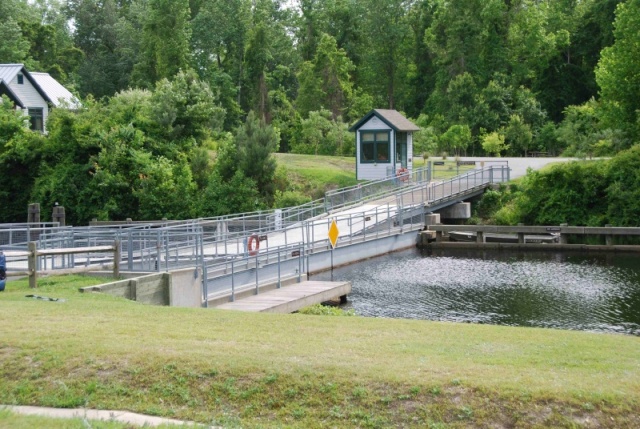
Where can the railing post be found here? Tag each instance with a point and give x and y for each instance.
(563, 235)
(257, 287)
(608, 238)
(300, 256)
(31, 264)
(279, 277)
(233, 282)
(117, 254)
(520, 235)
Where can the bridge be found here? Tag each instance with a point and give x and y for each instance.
(241, 252)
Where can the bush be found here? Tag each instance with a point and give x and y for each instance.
(326, 310)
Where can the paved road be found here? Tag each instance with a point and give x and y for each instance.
(519, 165)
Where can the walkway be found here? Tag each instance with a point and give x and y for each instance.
(290, 298)
(106, 415)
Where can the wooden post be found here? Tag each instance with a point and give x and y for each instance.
(608, 238)
(479, 237)
(438, 236)
(32, 264)
(117, 254)
(33, 213)
(58, 215)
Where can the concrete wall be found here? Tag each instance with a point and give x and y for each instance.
(186, 288)
(181, 288)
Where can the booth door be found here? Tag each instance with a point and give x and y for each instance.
(401, 149)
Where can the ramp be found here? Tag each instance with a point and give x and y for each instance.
(290, 298)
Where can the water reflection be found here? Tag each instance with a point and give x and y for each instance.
(594, 292)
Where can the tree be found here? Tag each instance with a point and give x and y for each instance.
(325, 82)
(13, 46)
(256, 142)
(185, 110)
(493, 143)
(618, 72)
(320, 134)
(518, 134)
(166, 35)
(456, 139)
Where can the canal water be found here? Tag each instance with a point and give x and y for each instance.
(591, 292)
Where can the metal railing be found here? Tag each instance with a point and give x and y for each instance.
(224, 240)
(375, 189)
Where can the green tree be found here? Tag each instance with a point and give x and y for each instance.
(166, 36)
(325, 82)
(618, 72)
(456, 139)
(255, 143)
(493, 143)
(185, 110)
(518, 135)
(14, 47)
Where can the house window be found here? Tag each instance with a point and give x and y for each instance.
(20, 79)
(374, 147)
(37, 118)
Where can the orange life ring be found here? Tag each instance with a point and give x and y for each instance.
(253, 245)
(402, 174)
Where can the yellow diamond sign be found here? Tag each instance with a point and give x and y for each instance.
(333, 233)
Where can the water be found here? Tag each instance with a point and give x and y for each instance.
(591, 292)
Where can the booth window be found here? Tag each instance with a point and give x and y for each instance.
(37, 118)
(374, 147)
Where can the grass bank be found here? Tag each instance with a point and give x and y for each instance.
(258, 370)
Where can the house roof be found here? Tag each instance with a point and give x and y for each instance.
(57, 93)
(9, 71)
(5, 90)
(392, 118)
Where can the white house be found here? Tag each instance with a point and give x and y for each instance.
(35, 93)
(384, 144)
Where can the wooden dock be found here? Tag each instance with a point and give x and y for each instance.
(290, 298)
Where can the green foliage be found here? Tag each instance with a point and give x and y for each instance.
(239, 194)
(325, 82)
(618, 72)
(623, 188)
(255, 144)
(163, 57)
(493, 143)
(320, 134)
(326, 310)
(518, 135)
(456, 139)
(184, 109)
(590, 193)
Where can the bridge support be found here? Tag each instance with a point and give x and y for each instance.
(456, 211)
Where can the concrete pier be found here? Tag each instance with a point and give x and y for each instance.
(291, 298)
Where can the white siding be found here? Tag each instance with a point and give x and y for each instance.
(375, 123)
(374, 171)
(29, 96)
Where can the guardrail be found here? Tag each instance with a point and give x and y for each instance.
(375, 189)
(33, 254)
(563, 232)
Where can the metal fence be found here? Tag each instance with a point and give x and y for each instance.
(217, 242)
(375, 189)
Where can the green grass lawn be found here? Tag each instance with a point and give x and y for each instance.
(313, 175)
(264, 370)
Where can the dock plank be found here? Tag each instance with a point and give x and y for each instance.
(290, 298)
